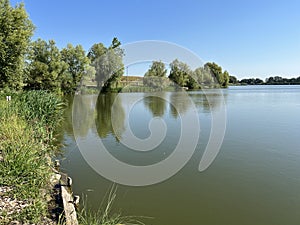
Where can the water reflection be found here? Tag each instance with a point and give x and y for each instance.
(98, 109)
(179, 104)
(85, 107)
(105, 104)
(209, 101)
(156, 104)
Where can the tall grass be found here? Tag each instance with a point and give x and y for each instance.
(27, 125)
(104, 215)
(41, 109)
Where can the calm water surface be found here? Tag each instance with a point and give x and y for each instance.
(255, 178)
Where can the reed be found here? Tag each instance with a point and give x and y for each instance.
(27, 125)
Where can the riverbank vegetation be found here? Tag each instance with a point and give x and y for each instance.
(27, 141)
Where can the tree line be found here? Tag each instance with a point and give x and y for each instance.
(210, 75)
(41, 65)
(273, 80)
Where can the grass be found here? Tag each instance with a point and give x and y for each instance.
(27, 128)
(104, 215)
(27, 139)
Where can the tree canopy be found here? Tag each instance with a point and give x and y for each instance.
(46, 68)
(108, 63)
(180, 73)
(16, 30)
(222, 78)
(155, 77)
(78, 66)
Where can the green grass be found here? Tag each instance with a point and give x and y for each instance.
(27, 139)
(104, 215)
(27, 127)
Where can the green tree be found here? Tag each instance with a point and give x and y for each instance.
(96, 51)
(88, 76)
(203, 76)
(46, 69)
(225, 79)
(157, 69)
(78, 64)
(180, 73)
(16, 30)
(108, 64)
(233, 80)
(216, 71)
(156, 75)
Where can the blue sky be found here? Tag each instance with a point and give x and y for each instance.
(247, 38)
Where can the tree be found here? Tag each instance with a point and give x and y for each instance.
(203, 76)
(233, 80)
(156, 75)
(108, 64)
(88, 76)
(78, 64)
(15, 32)
(252, 81)
(46, 69)
(225, 79)
(157, 69)
(180, 73)
(216, 71)
(96, 51)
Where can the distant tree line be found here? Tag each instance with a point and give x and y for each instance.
(276, 80)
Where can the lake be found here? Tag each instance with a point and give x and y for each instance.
(254, 179)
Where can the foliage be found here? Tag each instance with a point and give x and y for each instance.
(24, 166)
(276, 80)
(78, 66)
(42, 106)
(282, 81)
(155, 77)
(252, 81)
(27, 127)
(233, 80)
(203, 76)
(180, 73)
(217, 73)
(96, 51)
(108, 64)
(15, 32)
(157, 69)
(46, 68)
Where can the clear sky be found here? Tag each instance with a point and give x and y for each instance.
(248, 38)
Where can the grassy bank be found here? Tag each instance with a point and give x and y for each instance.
(27, 126)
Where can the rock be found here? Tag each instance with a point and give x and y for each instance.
(55, 178)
